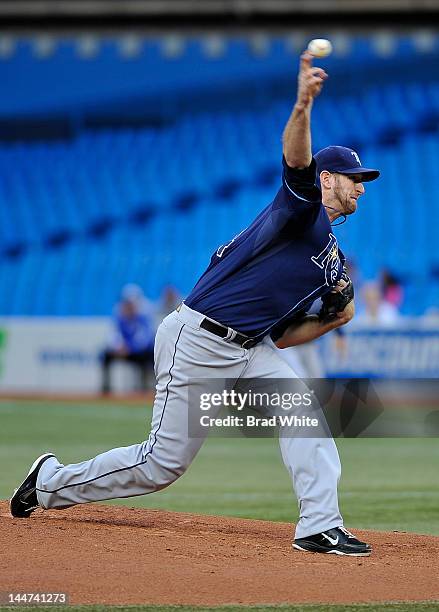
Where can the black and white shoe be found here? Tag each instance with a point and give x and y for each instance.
(24, 500)
(337, 541)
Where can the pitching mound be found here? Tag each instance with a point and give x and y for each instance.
(116, 555)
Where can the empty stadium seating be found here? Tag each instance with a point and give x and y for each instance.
(80, 217)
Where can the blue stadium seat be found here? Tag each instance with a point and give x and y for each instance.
(81, 218)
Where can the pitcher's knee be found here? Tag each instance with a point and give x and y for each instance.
(163, 473)
(170, 474)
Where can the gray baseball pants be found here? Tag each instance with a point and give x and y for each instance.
(184, 354)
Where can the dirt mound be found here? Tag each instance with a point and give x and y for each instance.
(117, 555)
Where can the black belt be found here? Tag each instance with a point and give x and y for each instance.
(223, 332)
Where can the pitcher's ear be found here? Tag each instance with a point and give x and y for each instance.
(325, 179)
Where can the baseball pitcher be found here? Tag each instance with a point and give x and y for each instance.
(256, 289)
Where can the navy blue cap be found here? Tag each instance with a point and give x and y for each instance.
(343, 161)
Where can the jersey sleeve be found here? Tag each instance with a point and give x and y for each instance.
(299, 200)
(300, 184)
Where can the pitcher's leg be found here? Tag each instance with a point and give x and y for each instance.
(313, 463)
(181, 362)
(121, 472)
(314, 467)
(132, 470)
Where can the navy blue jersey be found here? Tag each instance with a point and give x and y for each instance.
(275, 268)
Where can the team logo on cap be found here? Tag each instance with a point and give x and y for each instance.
(357, 158)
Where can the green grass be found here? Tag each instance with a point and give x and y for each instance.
(386, 484)
(395, 607)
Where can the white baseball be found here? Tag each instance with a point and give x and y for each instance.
(320, 47)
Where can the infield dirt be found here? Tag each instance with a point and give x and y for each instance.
(116, 555)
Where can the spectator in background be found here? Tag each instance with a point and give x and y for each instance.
(377, 311)
(169, 300)
(133, 337)
(391, 288)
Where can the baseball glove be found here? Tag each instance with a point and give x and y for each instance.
(336, 301)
